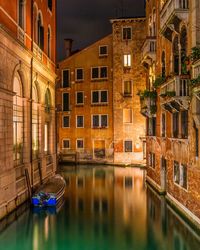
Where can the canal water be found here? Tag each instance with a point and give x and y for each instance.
(105, 208)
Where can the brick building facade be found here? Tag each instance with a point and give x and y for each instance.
(171, 102)
(98, 107)
(27, 106)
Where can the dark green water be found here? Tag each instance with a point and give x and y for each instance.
(105, 209)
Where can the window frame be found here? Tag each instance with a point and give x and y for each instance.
(123, 88)
(76, 79)
(63, 102)
(63, 121)
(68, 79)
(79, 104)
(127, 58)
(131, 116)
(100, 121)
(77, 121)
(103, 55)
(131, 35)
(99, 73)
(99, 97)
(66, 139)
(79, 139)
(125, 148)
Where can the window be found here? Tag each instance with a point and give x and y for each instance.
(127, 33)
(100, 97)
(163, 124)
(103, 50)
(18, 120)
(50, 5)
(180, 174)
(79, 121)
(99, 121)
(40, 30)
(21, 13)
(66, 121)
(79, 144)
(46, 138)
(127, 60)
(79, 98)
(184, 124)
(127, 88)
(66, 78)
(66, 143)
(163, 64)
(99, 73)
(152, 160)
(35, 124)
(128, 146)
(49, 42)
(176, 61)
(175, 124)
(196, 140)
(47, 101)
(79, 75)
(127, 116)
(65, 101)
(128, 182)
(152, 126)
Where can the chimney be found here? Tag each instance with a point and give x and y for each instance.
(68, 47)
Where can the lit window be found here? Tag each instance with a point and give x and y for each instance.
(127, 60)
(46, 137)
(127, 33)
(79, 75)
(127, 88)
(79, 121)
(103, 50)
(128, 146)
(127, 116)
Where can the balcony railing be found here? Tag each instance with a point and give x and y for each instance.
(21, 35)
(174, 94)
(171, 9)
(37, 51)
(149, 50)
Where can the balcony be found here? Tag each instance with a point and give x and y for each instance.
(149, 51)
(172, 12)
(148, 103)
(175, 94)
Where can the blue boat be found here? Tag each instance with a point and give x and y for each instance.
(50, 193)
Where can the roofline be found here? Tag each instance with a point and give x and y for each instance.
(135, 19)
(82, 50)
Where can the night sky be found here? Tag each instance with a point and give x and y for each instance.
(86, 21)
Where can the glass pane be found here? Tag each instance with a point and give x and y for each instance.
(103, 72)
(95, 72)
(95, 96)
(104, 96)
(95, 121)
(104, 121)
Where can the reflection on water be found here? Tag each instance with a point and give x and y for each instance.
(105, 208)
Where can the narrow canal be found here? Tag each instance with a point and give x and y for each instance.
(105, 208)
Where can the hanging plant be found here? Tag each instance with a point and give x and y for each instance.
(153, 109)
(159, 81)
(195, 55)
(195, 81)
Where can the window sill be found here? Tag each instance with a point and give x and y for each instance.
(99, 127)
(99, 79)
(99, 104)
(179, 186)
(79, 81)
(103, 55)
(80, 105)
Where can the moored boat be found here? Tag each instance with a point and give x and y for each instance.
(50, 193)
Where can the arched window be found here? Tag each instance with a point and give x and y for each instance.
(154, 23)
(47, 124)
(40, 32)
(176, 62)
(17, 121)
(35, 124)
(49, 42)
(163, 64)
(50, 5)
(183, 43)
(21, 13)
